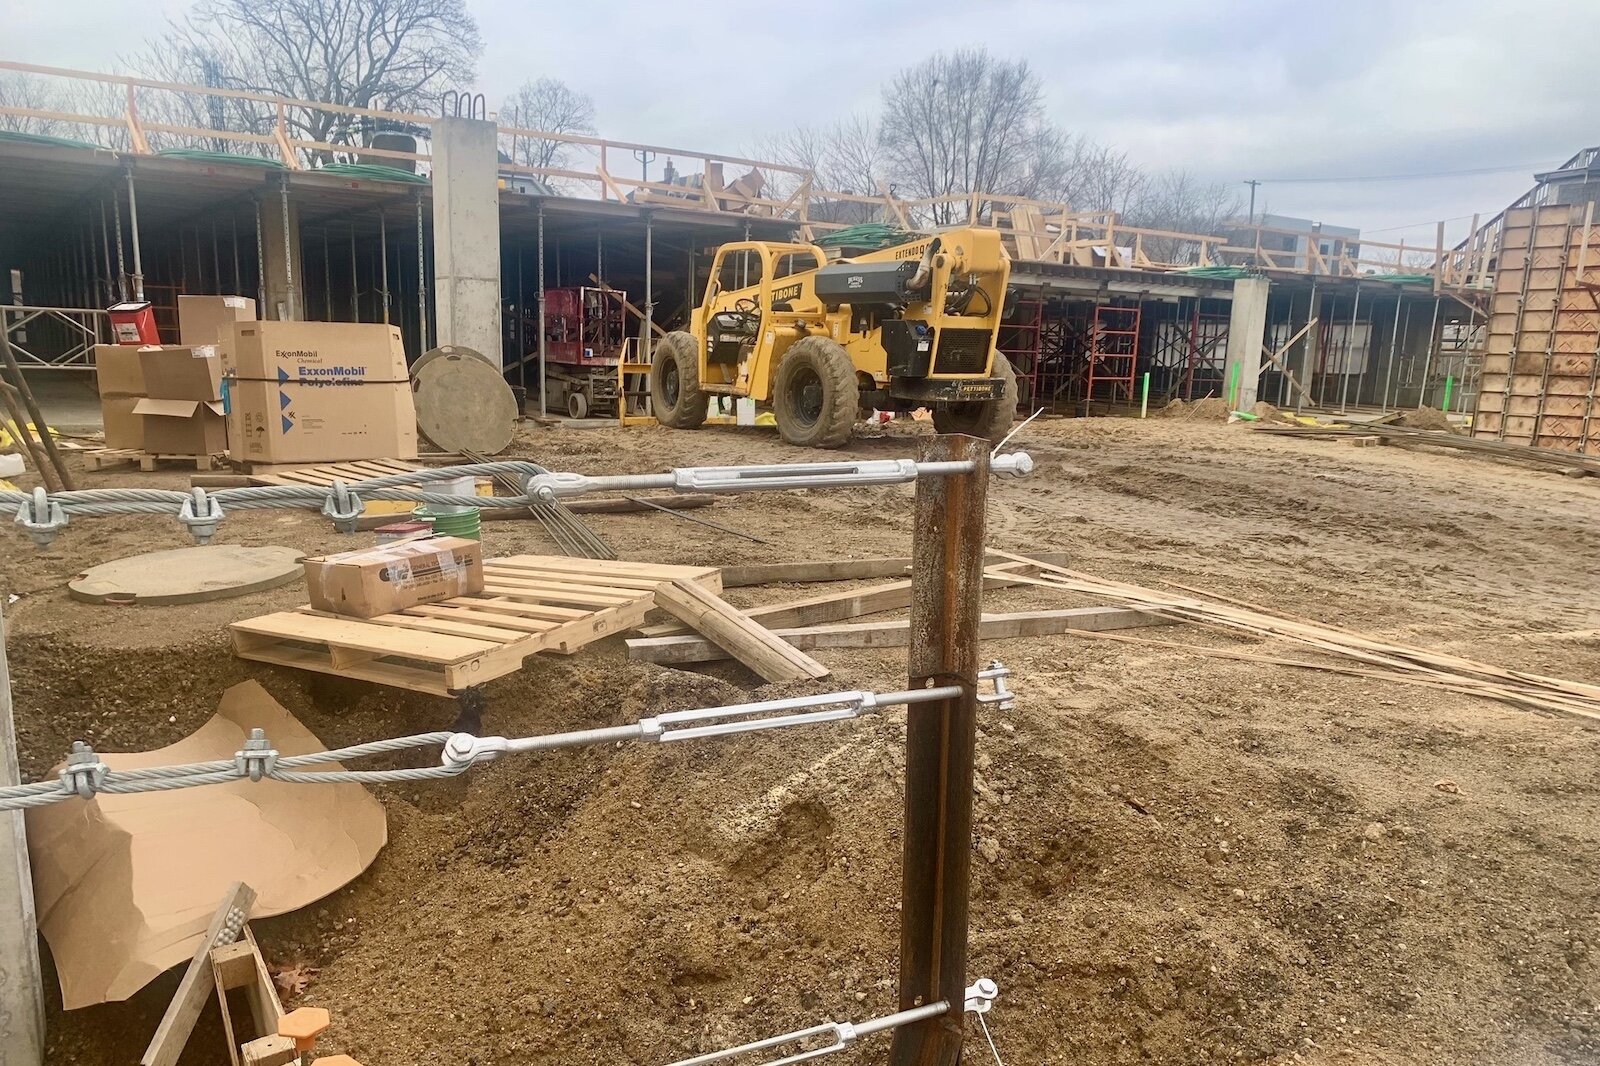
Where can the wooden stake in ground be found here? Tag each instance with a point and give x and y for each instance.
(20, 383)
(947, 598)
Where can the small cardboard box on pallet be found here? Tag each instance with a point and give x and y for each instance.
(205, 319)
(182, 413)
(317, 392)
(383, 580)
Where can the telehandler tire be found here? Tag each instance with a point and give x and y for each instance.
(675, 390)
(814, 396)
(983, 418)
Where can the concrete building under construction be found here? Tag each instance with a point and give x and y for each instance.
(139, 204)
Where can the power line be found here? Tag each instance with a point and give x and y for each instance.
(1529, 167)
(1414, 225)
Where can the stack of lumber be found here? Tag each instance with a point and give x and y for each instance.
(1573, 463)
(1381, 659)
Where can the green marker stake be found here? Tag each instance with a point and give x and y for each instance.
(1233, 387)
(1144, 395)
(1449, 384)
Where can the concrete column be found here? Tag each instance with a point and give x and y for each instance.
(1247, 331)
(466, 235)
(283, 276)
(21, 993)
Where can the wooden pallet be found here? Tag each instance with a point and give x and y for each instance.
(101, 458)
(326, 474)
(529, 604)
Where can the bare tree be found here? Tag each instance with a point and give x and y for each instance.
(964, 121)
(549, 106)
(393, 55)
(22, 91)
(842, 158)
(1178, 201)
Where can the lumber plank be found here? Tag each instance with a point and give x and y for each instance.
(725, 627)
(198, 980)
(837, 570)
(683, 650)
(357, 634)
(494, 621)
(838, 606)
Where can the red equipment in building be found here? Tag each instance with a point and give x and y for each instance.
(586, 334)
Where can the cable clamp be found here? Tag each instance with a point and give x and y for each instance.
(344, 506)
(1002, 697)
(84, 773)
(258, 759)
(202, 514)
(980, 996)
(42, 518)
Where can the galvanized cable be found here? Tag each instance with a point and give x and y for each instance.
(42, 515)
(86, 775)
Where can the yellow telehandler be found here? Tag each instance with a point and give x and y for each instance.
(895, 329)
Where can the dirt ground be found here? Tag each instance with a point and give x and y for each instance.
(1179, 859)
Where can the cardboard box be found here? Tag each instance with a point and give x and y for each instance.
(182, 427)
(302, 422)
(202, 319)
(117, 370)
(375, 581)
(332, 353)
(124, 428)
(180, 372)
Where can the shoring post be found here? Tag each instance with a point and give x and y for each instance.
(946, 604)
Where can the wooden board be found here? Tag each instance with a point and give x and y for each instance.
(840, 569)
(198, 980)
(683, 650)
(104, 458)
(854, 603)
(746, 640)
(530, 604)
(240, 966)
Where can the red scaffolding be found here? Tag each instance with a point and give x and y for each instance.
(1020, 342)
(1113, 353)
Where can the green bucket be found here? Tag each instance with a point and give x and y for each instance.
(467, 523)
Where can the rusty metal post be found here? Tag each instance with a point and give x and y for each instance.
(946, 605)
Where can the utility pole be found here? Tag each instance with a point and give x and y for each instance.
(1252, 183)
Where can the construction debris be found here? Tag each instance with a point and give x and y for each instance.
(1397, 662)
(1552, 459)
(127, 894)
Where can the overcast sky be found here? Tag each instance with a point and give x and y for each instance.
(1230, 89)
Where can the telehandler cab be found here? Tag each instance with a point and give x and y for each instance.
(822, 343)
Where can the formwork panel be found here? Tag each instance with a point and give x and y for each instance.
(1540, 352)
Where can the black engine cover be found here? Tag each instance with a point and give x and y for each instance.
(864, 284)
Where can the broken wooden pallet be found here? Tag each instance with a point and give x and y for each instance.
(103, 458)
(529, 604)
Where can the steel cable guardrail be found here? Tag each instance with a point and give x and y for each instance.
(43, 515)
(86, 775)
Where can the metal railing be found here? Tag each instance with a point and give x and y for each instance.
(143, 116)
(55, 338)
